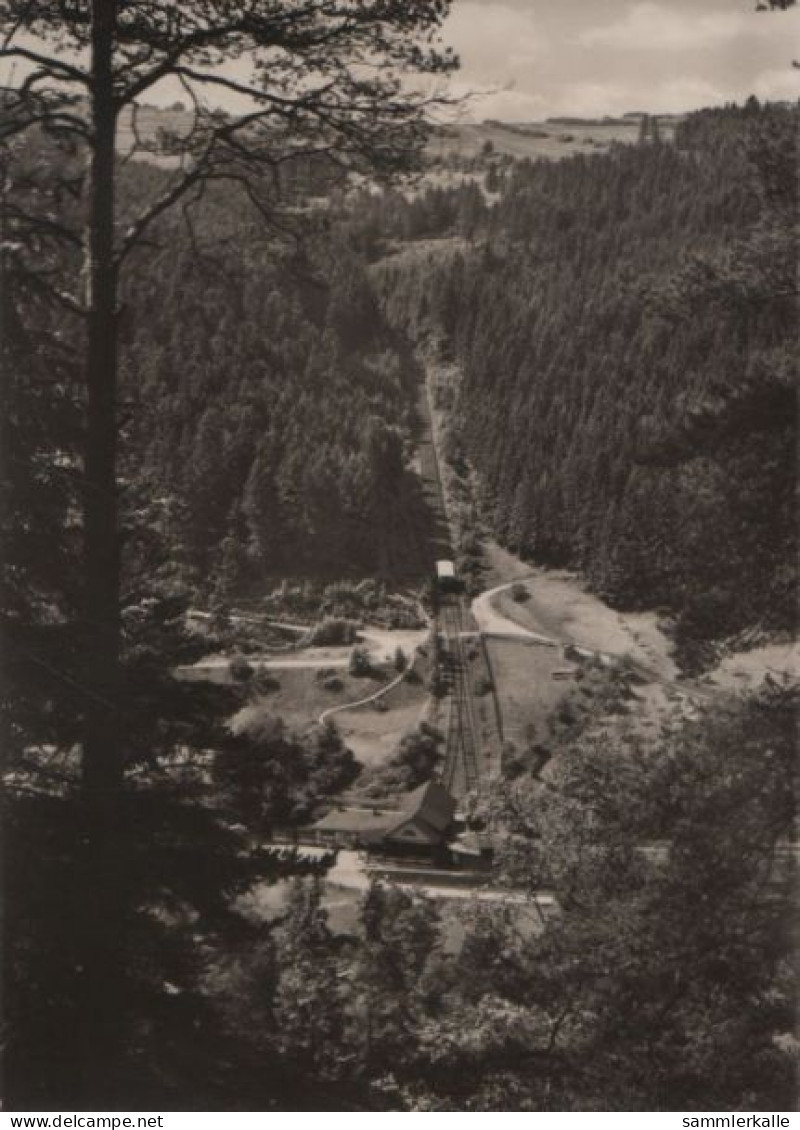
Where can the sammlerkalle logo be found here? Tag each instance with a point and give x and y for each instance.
(735, 1120)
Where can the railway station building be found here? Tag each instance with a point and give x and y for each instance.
(420, 827)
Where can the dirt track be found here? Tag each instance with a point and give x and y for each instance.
(493, 623)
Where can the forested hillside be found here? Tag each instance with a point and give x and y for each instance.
(273, 403)
(623, 324)
(622, 331)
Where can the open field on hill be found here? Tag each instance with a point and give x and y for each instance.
(533, 140)
(551, 140)
(527, 692)
(743, 670)
(559, 606)
(373, 732)
(300, 695)
(149, 122)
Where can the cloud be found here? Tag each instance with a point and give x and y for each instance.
(648, 26)
(778, 85)
(496, 42)
(531, 59)
(686, 93)
(593, 99)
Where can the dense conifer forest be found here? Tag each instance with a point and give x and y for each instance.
(617, 330)
(274, 404)
(624, 328)
(622, 325)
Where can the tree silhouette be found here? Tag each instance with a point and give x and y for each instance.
(315, 81)
(321, 81)
(318, 89)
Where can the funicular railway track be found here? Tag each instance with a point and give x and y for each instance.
(460, 775)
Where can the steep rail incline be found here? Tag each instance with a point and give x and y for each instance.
(461, 774)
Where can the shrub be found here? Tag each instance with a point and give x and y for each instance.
(438, 684)
(567, 715)
(416, 760)
(240, 670)
(267, 683)
(333, 683)
(360, 664)
(519, 593)
(334, 631)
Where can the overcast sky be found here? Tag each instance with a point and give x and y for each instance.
(538, 58)
(534, 59)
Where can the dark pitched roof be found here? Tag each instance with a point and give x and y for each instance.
(364, 821)
(431, 804)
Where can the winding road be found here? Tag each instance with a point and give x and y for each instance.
(329, 713)
(493, 623)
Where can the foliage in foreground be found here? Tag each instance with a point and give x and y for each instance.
(666, 982)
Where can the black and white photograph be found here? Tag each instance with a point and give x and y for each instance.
(399, 675)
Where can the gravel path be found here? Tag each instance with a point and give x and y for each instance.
(351, 871)
(494, 623)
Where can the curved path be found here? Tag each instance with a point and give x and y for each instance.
(259, 621)
(352, 870)
(494, 623)
(326, 714)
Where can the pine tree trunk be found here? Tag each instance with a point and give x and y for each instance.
(100, 885)
(102, 767)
